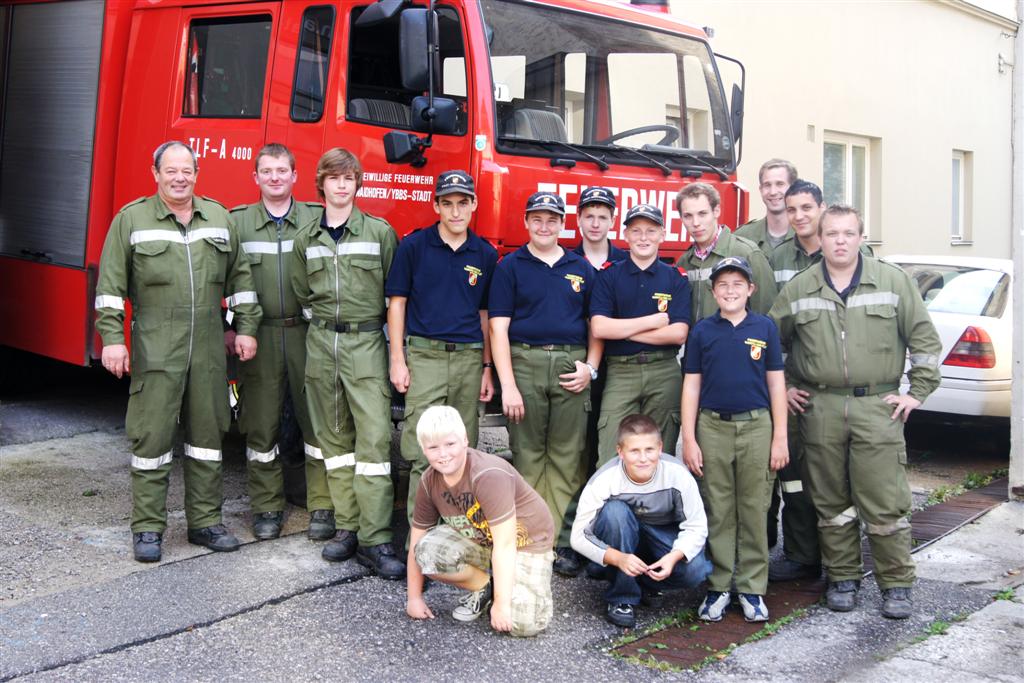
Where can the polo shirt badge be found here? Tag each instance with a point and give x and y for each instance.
(663, 300)
(756, 346)
(575, 281)
(474, 275)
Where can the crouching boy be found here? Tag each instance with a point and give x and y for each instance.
(479, 526)
(737, 442)
(641, 517)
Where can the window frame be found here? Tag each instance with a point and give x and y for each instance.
(298, 62)
(848, 142)
(961, 188)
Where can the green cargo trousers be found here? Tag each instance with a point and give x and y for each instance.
(156, 400)
(855, 461)
(548, 446)
(263, 382)
(651, 388)
(736, 488)
(349, 403)
(799, 520)
(439, 378)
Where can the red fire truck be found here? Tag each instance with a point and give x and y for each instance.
(524, 94)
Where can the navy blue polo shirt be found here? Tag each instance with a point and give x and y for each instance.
(446, 289)
(614, 254)
(733, 361)
(626, 291)
(547, 304)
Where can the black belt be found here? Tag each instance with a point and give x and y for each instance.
(554, 347)
(342, 328)
(858, 392)
(643, 357)
(425, 343)
(283, 322)
(735, 417)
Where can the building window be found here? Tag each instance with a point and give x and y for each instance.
(960, 194)
(227, 67)
(847, 173)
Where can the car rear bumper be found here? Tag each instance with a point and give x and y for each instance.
(969, 397)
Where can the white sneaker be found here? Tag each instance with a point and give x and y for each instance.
(753, 606)
(713, 607)
(473, 604)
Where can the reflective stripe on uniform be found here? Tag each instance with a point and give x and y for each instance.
(335, 461)
(267, 247)
(698, 274)
(155, 235)
(242, 298)
(845, 517)
(927, 360)
(887, 529)
(792, 486)
(258, 456)
(150, 463)
(373, 469)
(307, 313)
(367, 248)
(812, 303)
(209, 233)
(197, 453)
(313, 451)
(318, 252)
(785, 275)
(873, 298)
(109, 301)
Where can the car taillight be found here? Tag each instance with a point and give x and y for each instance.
(972, 350)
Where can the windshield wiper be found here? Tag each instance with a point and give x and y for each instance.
(599, 161)
(665, 168)
(677, 152)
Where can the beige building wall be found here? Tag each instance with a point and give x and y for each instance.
(914, 81)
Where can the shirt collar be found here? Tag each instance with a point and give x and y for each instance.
(434, 238)
(854, 281)
(704, 253)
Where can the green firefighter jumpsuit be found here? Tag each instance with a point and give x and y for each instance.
(175, 277)
(279, 366)
(341, 286)
(849, 355)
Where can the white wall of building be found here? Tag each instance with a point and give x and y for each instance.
(914, 81)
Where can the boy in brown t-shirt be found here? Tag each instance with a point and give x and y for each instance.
(474, 513)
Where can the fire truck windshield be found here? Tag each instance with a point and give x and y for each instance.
(601, 85)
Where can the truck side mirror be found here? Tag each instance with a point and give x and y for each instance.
(413, 47)
(736, 110)
(404, 148)
(444, 115)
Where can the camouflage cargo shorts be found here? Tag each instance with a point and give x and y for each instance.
(445, 551)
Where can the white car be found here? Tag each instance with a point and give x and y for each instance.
(970, 302)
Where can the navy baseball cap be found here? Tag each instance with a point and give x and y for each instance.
(735, 263)
(451, 182)
(596, 195)
(546, 201)
(648, 211)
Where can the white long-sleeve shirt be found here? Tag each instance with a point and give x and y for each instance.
(670, 497)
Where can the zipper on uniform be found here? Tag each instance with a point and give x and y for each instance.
(337, 314)
(280, 289)
(192, 295)
(846, 369)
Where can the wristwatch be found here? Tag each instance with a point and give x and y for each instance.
(593, 372)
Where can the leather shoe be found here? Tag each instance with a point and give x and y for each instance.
(341, 547)
(841, 596)
(791, 570)
(382, 560)
(321, 525)
(216, 538)
(567, 562)
(146, 546)
(897, 603)
(267, 525)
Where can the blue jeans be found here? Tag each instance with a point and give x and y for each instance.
(617, 526)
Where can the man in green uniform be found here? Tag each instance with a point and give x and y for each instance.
(267, 230)
(340, 260)
(699, 207)
(773, 179)
(848, 325)
(175, 258)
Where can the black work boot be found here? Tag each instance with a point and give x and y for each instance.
(267, 525)
(841, 596)
(321, 525)
(341, 547)
(896, 603)
(382, 560)
(567, 562)
(215, 537)
(146, 546)
(791, 570)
